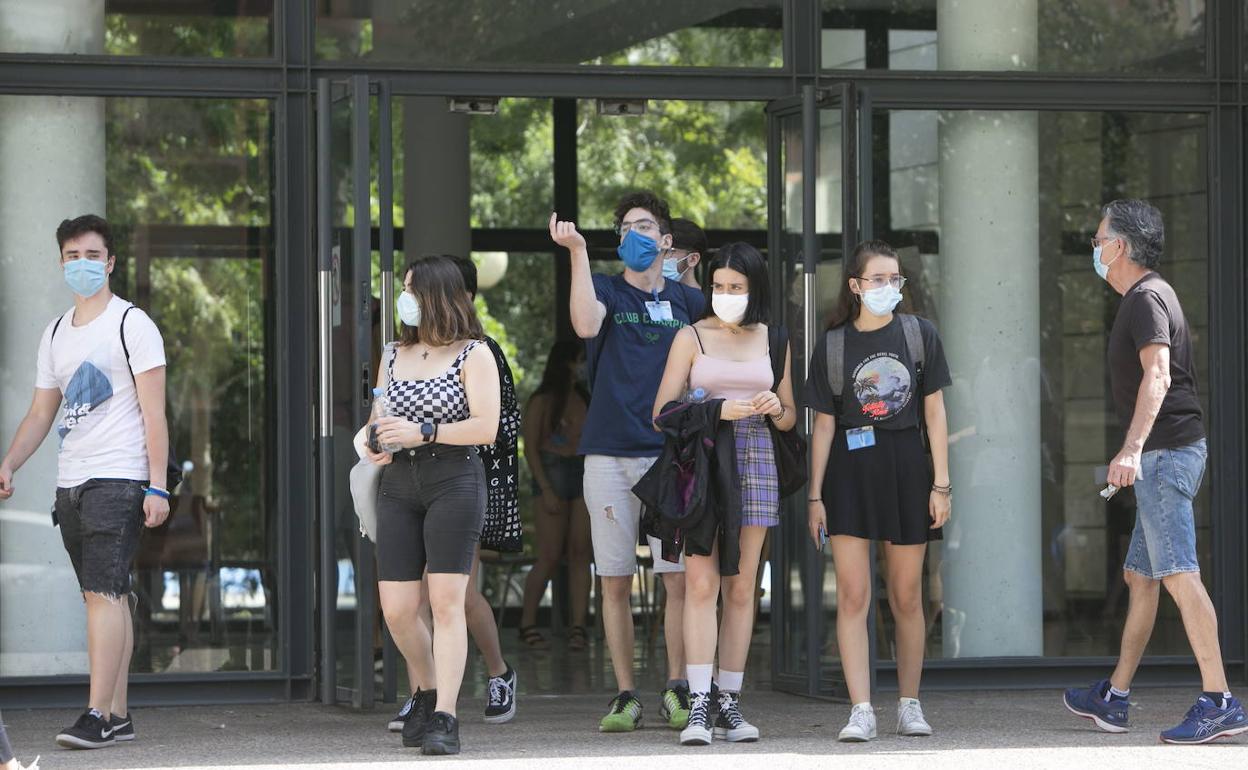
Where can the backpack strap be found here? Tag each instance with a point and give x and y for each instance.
(777, 348)
(836, 365)
(124, 346)
(914, 345)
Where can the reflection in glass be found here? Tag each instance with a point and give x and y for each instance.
(1130, 36)
(467, 33)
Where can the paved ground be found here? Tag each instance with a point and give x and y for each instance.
(994, 729)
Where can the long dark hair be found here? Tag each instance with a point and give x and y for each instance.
(446, 313)
(558, 382)
(746, 260)
(848, 306)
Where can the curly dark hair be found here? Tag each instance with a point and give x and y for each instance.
(69, 229)
(644, 199)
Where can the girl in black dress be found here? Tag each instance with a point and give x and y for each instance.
(870, 477)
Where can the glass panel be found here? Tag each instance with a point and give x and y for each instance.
(708, 159)
(1032, 562)
(512, 183)
(187, 185)
(238, 29)
(713, 33)
(1127, 36)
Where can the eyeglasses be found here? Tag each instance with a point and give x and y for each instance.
(644, 226)
(880, 281)
(1102, 241)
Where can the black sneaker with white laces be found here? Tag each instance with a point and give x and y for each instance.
(418, 717)
(442, 735)
(501, 704)
(698, 731)
(400, 719)
(91, 731)
(729, 724)
(123, 727)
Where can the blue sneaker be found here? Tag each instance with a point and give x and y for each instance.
(1087, 702)
(1205, 721)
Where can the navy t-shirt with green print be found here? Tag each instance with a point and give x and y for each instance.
(626, 362)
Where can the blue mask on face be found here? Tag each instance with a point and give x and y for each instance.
(1101, 269)
(637, 251)
(85, 276)
(671, 268)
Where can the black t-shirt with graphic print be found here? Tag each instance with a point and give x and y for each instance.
(1150, 314)
(880, 377)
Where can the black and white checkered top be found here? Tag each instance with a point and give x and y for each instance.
(439, 400)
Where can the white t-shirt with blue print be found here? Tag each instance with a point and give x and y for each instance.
(101, 427)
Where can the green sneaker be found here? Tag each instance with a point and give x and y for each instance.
(675, 708)
(624, 716)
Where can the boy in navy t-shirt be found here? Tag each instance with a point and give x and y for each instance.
(628, 322)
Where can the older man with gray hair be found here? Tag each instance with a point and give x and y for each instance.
(1153, 379)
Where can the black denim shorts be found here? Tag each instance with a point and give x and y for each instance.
(101, 521)
(430, 510)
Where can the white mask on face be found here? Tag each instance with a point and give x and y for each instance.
(881, 301)
(409, 309)
(730, 308)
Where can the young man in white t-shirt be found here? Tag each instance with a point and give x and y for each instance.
(111, 471)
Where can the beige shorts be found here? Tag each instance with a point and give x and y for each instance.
(615, 515)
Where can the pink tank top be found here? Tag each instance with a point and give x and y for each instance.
(721, 378)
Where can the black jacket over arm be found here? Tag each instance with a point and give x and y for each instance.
(692, 494)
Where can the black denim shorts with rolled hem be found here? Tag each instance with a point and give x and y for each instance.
(430, 511)
(101, 521)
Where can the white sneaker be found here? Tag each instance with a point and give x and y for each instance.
(861, 726)
(910, 719)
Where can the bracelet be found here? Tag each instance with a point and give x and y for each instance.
(779, 417)
(945, 490)
(156, 492)
(814, 499)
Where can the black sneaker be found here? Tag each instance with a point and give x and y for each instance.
(698, 730)
(729, 724)
(123, 728)
(400, 719)
(91, 731)
(501, 706)
(442, 735)
(418, 718)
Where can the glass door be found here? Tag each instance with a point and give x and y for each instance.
(355, 317)
(816, 213)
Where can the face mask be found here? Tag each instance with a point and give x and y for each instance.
(1101, 269)
(881, 301)
(409, 309)
(637, 251)
(671, 268)
(730, 308)
(85, 276)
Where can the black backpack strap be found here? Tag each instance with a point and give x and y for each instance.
(124, 346)
(56, 326)
(836, 365)
(914, 346)
(777, 347)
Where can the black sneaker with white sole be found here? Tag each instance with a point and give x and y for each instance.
(729, 724)
(123, 728)
(400, 719)
(418, 718)
(501, 706)
(442, 735)
(91, 731)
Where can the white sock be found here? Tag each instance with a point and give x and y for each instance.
(699, 677)
(730, 681)
(865, 704)
(907, 701)
(1117, 693)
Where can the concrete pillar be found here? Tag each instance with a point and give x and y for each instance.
(51, 167)
(990, 324)
(436, 179)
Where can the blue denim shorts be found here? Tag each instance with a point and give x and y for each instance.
(1164, 540)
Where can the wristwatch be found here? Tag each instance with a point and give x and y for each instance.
(427, 432)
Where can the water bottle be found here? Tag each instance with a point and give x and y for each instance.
(695, 396)
(381, 408)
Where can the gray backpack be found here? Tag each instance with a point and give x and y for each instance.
(836, 358)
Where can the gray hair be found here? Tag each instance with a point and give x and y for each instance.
(1138, 222)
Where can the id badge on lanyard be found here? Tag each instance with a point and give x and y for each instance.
(860, 438)
(659, 310)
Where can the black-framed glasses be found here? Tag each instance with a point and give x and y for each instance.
(880, 281)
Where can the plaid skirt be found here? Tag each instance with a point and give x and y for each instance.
(756, 465)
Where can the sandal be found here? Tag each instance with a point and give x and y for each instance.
(577, 638)
(532, 637)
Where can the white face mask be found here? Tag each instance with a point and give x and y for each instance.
(730, 308)
(881, 301)
(409, 309)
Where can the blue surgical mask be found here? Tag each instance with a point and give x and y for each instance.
(671, 268)
(881, 301)
(85, 276)
(638, 251)
(1101, 269)
(409, 309)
